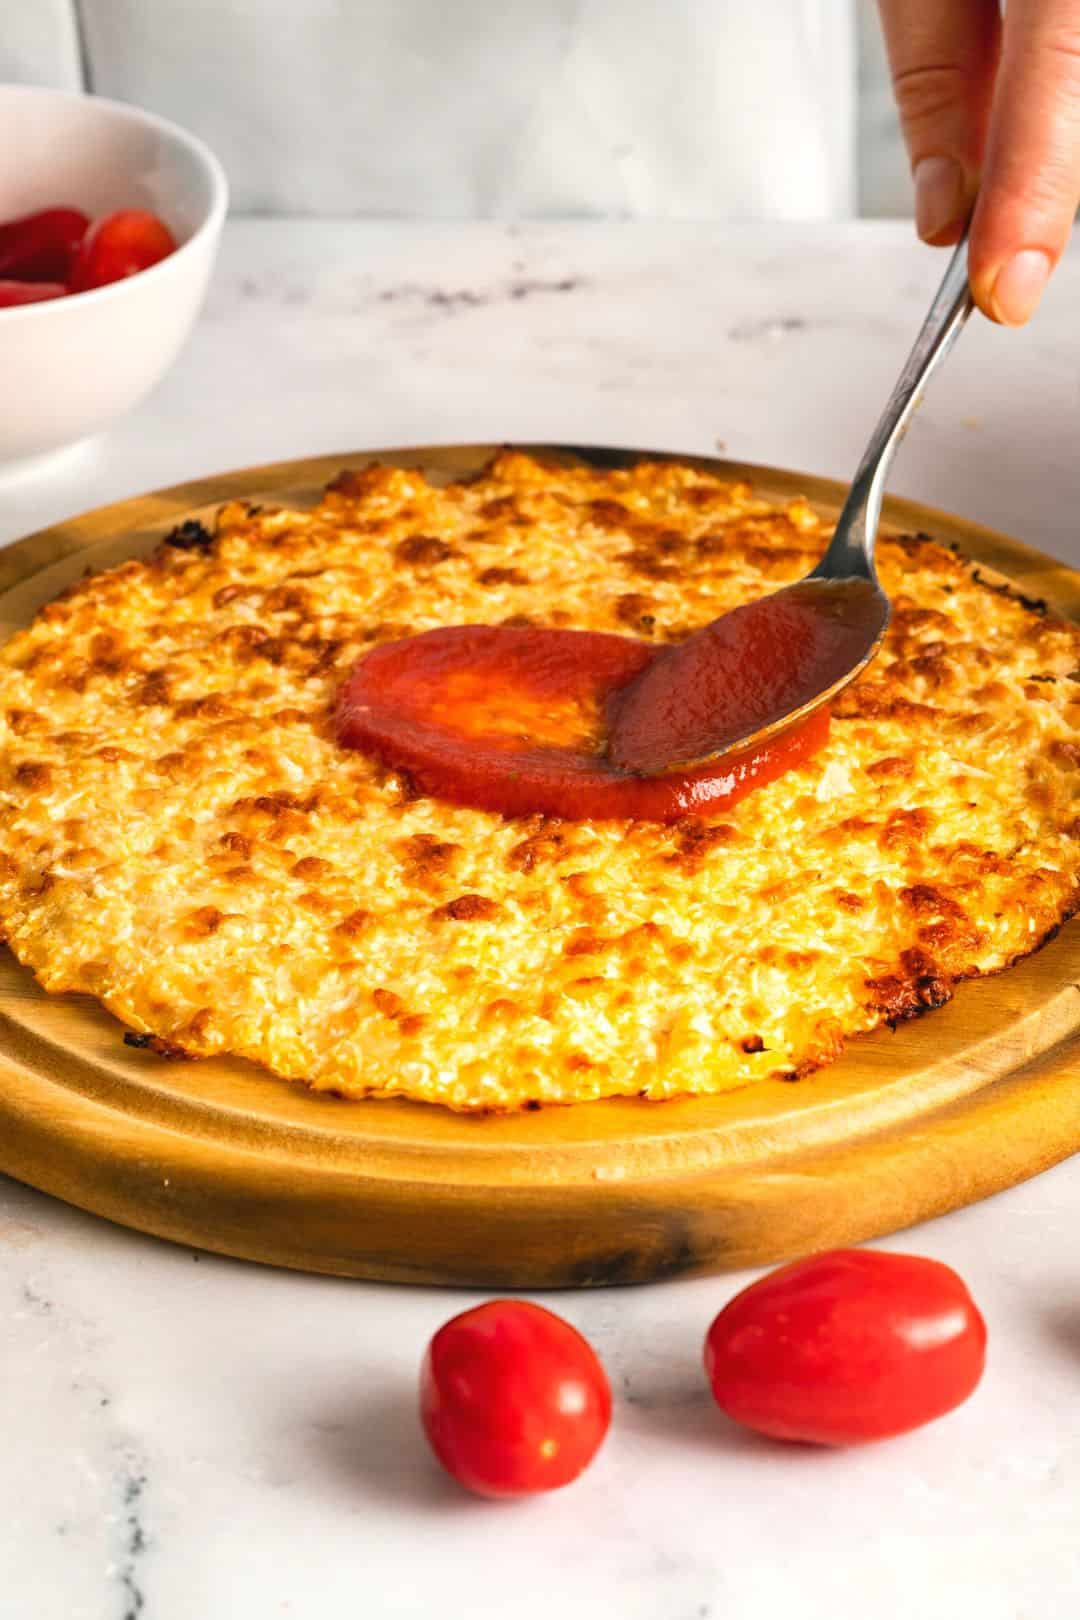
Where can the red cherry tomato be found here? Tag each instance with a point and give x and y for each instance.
(845, 1347)
(41, 246)
(513, 1399)
(29, 292)
(120, 245)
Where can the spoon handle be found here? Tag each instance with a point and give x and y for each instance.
(851, 550)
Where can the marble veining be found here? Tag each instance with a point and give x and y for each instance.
(187, 1438)
(457, 298)
(133, 1538)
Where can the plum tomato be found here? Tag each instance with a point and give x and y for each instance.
(120, 245)
(41, 246)
(29, 292)
(845, 1347)
(513, 1400)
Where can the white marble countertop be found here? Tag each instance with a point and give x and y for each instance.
(186, 1437)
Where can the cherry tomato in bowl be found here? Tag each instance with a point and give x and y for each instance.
(513, 1400)
(41, 246)
(846, 1347)
(120, 245)
(13, 293)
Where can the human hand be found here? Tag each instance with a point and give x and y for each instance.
(992, 107)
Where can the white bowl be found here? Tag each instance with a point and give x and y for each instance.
(72, 365)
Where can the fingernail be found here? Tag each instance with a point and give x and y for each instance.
(939, 195)
(1019, 286)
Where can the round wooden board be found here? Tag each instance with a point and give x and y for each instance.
(222, 1156)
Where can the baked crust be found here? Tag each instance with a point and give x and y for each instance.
(181, 837)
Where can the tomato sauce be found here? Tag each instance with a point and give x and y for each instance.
(744, 672)
(520, 720)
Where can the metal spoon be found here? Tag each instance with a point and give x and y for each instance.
(843, 589)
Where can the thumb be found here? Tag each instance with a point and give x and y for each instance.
(943, 58)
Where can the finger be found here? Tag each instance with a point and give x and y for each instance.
(1031, 179)
(943, 57)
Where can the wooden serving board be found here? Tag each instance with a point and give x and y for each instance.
(222, 1156)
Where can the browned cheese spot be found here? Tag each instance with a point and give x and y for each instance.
(423, 550)
(467, 908)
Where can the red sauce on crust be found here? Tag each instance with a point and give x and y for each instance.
(515, 720)
(744, 671)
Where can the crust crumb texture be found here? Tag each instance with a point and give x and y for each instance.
(182, 838)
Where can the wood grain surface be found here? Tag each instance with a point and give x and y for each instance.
(221, 1155)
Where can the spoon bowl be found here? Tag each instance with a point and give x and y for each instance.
(749, 676)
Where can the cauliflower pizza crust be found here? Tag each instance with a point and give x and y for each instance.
(182, 838)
